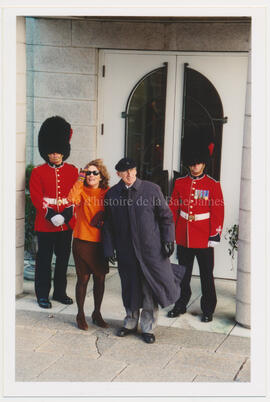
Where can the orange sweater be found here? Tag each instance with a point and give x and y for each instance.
(88, 202)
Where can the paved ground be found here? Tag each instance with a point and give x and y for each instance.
(49, 346)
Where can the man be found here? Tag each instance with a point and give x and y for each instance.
(50, 184)
(198, 209)
(139, 226)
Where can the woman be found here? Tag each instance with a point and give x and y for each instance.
(88, 194)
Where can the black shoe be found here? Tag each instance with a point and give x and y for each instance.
(125, 331)
(207, 318)
(63, 299)
(44, 303)
(175, 312)
(148, 338)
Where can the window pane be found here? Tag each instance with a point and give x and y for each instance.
(145, 118)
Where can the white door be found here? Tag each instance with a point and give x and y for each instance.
(120, 71)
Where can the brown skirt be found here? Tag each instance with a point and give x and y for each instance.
(89, 257)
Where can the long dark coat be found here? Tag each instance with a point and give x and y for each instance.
(137, 221)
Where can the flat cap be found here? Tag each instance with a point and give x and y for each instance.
(125, 164)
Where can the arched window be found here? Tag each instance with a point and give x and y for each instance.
(202, 105)
(144, 128)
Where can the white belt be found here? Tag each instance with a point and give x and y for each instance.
(195, 217)
(56, 201)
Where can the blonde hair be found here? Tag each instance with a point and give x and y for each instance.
(98, 163)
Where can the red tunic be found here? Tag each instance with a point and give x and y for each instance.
(48, 183)
(197, 196)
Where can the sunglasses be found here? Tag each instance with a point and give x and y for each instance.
(94, 172)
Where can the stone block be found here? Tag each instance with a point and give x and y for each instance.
(246, 164)
(244, 374)
(243, 260)
(248, 100)
(120, 35)
(63, 59)
(238, 330)
(247, 132)
(245, 195)
(20, 147)
(206, 378)
(30, 364)
(243, 314)
(249, 68)
(41, 31)
(21, 118)
(244, 225)
(21, 88)
(20, 204)
(207, 36)
(75, 112)
(19, 284)
(28, 318)
(243, 287)
(65, 86)
(70, 368)
(134, 373)
(29, 338)
(133, 351)
(20, 58)
(30, 136)
(19, 260)
(213, 364)
(20, 30)
(29, 109)
(82, 157)
(77, 343)
(190, 338)
(65, 323)
(37, 159)
(236, 345)
(20, 175)
(19, 232)
(84, 137)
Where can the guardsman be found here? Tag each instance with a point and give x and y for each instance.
(198, 209)
(50, 184)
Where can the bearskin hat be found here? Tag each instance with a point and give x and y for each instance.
(54, 136)
(198, 144)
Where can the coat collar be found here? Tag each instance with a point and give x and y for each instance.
(120, 186)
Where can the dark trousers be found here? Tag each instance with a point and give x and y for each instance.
(205, 258)
(49, 243)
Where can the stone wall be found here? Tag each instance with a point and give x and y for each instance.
(62, 80)
(20, 150)
(243, 269)
(62, 62)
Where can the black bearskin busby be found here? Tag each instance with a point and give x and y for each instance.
(198, 144)
(54, 136)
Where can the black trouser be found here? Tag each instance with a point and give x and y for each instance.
(205, 258)
(60, 244)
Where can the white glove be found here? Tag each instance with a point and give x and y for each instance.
(58, 220)
(212, 243)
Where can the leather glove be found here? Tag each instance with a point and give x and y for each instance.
(98, 220)
(58, 220)
(67, 213)
(213, 240)
(50, 213)
(112, 259)
(168, 248)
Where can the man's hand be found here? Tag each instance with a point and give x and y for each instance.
(213, 240)
(112, 259)
(58, 220)
(168, 248)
